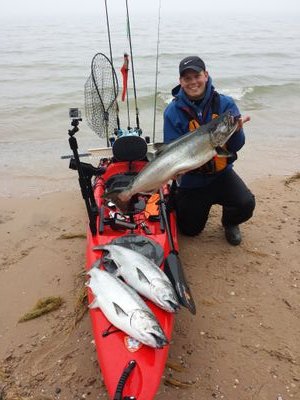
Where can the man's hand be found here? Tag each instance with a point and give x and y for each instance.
(242, 121)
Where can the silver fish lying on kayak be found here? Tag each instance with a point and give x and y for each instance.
(184, 154)
(143, 275)
(125, 309)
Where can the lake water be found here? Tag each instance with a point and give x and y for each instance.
(45, 63)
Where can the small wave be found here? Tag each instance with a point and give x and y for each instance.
(262, 96)
(281, 89)
(238, 93)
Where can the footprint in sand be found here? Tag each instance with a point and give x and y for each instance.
(6, 217)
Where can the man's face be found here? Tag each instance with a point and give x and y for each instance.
(194, 83)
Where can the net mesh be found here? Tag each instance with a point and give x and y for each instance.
(100, 92)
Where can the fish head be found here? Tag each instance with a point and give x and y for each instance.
(165, 295)
(148, 330)
(222, 128)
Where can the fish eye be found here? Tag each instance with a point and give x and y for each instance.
(156, 328)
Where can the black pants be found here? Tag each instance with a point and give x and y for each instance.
(228, 190)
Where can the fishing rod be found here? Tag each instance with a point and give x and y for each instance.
(126, 58)
(111, 60)
(132, 67)
(156, 72)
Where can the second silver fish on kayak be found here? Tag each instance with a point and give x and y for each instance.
(143, 275)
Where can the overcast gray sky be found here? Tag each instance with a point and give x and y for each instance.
(57, 7)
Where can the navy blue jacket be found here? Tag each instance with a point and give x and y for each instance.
(176, 124)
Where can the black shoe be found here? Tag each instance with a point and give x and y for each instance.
(233, 234)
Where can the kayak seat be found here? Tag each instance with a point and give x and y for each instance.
(129, 148)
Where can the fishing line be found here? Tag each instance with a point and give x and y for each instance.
(132, 67)
(111, 60)
(156, 72)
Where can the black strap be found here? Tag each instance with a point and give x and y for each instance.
(123, 379)
(215, 104)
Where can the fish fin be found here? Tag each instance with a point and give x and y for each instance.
(94, 304)
(120, 312)
(142, 276)
(223, 152)
(114, 196)
(150, 156)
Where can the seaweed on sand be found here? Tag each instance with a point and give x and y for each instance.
(81, 305)
(43, 306)
(292, 178)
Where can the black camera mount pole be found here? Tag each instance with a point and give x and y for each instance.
(84, 179)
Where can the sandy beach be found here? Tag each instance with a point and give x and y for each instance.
(243, 344)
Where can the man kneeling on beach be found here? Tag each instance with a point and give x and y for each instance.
(196, 103)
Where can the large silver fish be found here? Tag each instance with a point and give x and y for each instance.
(189, 152)
(143, 275)
(125, 309)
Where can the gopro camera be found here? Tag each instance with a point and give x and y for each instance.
(75, 113)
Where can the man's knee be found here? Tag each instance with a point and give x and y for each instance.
(190, 228)
(189, 231)
(248, 206)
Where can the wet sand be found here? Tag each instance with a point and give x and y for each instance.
(243, 343)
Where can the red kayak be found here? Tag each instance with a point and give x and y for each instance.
(131, 370)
